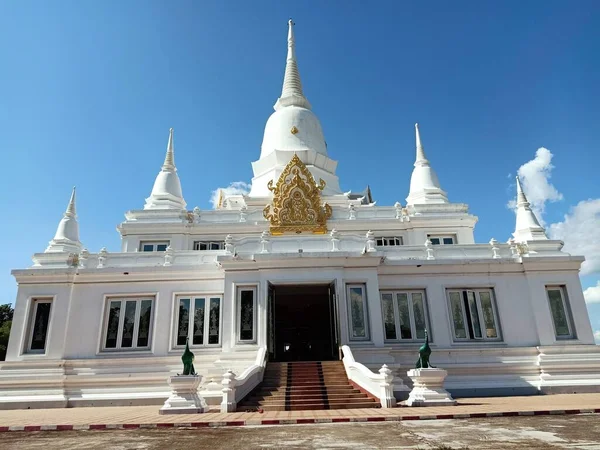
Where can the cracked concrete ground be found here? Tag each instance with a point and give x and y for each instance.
(539, 432)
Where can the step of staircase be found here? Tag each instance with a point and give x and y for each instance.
(306, 386)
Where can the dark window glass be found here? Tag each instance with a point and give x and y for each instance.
(215, 246)
(184, 320)
(419, 315)
(202, 246)
(388, 316)
(403, 312)
(559, 315)
(144, 325)
(380, 242)
(128, 324)
(213, 321)
(448, 241)
(40, 326)
(247, 315)
(198, 338)
(161, 247)
(456, 305)
(148, 248)
(112, 329)
(435, 241)
(474, 315)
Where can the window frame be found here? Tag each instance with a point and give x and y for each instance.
(192, 298)
(33, 306)
(441, 238)
(467, 320)
(398, 241)
(155, 244)
(394, 293)
(567, 311)
(238, 313)
(138, 298)
(209, 243)
(365, 304)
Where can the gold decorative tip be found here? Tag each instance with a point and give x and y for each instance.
(294, 130)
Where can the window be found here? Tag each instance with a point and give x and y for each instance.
(39, 324)
(437, 239)
(358, 316)
(246, 309)
(209, 245)
(154, 246)
(128, 323)
(198, 318)
(404, 315)
(559, 309)
(473, 314)
(388, 241)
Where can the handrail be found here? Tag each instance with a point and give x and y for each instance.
(378, 385)
(235, 388)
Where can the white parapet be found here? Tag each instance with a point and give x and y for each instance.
(428, 388)
(184, 398)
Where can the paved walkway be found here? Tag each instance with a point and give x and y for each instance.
(147, 416)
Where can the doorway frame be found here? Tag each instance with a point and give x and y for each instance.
(333, 304)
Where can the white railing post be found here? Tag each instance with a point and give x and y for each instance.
(386, 396)
(228, 404)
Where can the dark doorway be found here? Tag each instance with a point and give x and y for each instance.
(302, 323)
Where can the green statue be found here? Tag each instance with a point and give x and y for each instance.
(188, 360)
(424, 353)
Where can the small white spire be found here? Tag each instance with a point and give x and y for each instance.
(527, 226)
(71, 207)
(420, 152)
(521, 199)
(66, 238)
(291, 92)
(169, 163)
(166, 192)
(424, 184)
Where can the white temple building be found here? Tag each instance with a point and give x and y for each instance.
(297, 270)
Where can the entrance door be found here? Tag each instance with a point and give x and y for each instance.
(333, 319)
(303, 324)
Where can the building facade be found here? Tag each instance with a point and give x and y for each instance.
(295, 270)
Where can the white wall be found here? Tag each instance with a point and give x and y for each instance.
(78, 309)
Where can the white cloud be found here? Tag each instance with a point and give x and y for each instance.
(597, 336)
(535, 175)
(580, 230)
(592, 295)
(235, 188)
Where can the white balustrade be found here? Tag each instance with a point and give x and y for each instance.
(379, 385)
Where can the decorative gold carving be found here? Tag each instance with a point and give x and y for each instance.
(294, 130)
(296, 203)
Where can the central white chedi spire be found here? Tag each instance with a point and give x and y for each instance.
(424, 184)
(293, 128)
(291, 93)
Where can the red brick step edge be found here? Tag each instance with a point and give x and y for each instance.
(254, 422)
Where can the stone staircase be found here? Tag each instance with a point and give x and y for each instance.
(305, 385)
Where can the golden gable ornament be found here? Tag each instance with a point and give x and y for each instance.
(296, 203)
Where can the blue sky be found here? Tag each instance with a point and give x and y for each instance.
(90, 89)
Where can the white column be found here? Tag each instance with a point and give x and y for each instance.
(374, 305)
